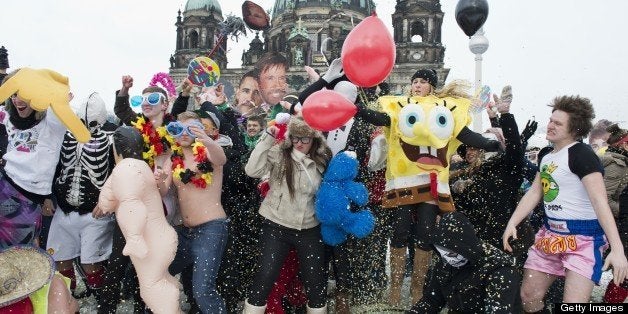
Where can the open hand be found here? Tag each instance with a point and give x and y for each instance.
(42, 89)
(620, 266)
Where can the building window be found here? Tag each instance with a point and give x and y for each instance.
(193, 39)
(417, 32)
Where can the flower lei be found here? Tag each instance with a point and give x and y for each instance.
(156, 141)
(166, 81)
(200, 180)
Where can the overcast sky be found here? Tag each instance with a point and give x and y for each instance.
(542, 48)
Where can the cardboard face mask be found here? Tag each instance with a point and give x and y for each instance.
(422, 139)
(42, 89)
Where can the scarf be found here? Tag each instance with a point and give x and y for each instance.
(23, 123)
(251, 141)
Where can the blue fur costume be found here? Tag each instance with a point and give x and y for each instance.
(333, 201)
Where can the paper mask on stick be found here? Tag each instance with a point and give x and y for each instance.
(203, 71)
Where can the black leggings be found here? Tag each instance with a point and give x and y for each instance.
(421, 217)
(276, 241)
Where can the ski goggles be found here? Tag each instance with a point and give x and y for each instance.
(177, 129)
(152, 99)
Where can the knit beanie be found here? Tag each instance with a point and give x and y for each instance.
(618, 135)
(428, 75)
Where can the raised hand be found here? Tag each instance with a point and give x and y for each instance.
(335, 71)
(272, 130)
(529, 130)
(45, 88)
(503, 102)
(186, 88)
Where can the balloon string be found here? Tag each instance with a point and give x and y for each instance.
(362, 95)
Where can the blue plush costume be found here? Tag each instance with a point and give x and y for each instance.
(333, 201)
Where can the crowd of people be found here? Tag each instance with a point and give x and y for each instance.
(221, 193)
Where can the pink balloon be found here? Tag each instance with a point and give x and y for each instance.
(327, 110)
(368, 53)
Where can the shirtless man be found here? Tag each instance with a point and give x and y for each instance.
(197, 174)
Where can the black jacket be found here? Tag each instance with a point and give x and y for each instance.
(492, 197)
(488, 283)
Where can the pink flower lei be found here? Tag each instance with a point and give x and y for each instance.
(165, 81)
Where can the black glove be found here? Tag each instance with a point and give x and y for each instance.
(529, 130)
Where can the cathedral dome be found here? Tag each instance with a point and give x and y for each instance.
(203, 5)
(362, 6)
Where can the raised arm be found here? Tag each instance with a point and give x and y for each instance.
(373, 117)
(316, 86)
(258, 164)
(514, 150)
(476, 140)
(122, 107)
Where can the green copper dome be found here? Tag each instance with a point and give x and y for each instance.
(203, 5)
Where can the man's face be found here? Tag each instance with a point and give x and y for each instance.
(151, 111)
(272, 84)
(254, 16)
(253, 128)
(472, 155)
(210, 127)
(558, 127)
(248, 93)
(598, 143)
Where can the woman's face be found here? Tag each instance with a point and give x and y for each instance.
(421, 87)
(302, 144)
(23, 108)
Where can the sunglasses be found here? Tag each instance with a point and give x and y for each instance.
(152, 99)
(304, 140)
(177, 129)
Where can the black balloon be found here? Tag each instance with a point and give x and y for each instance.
(471, 15)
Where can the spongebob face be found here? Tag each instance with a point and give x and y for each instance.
(423, 133)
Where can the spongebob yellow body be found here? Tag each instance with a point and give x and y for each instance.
(421, 140)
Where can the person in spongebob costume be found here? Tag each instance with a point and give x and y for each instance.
(423, 131)
(151, 243)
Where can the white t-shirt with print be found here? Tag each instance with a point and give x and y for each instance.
(564, 194)
(32, 154)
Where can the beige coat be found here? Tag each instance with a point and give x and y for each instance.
(615, 177)
(278, 206)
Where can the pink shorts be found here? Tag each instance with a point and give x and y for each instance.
(553, 252)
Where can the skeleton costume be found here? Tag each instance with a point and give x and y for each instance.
(81, 172)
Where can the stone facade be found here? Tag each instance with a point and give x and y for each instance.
(312, 33)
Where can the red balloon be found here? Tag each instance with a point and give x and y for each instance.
(326, 110)
(368, 53)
